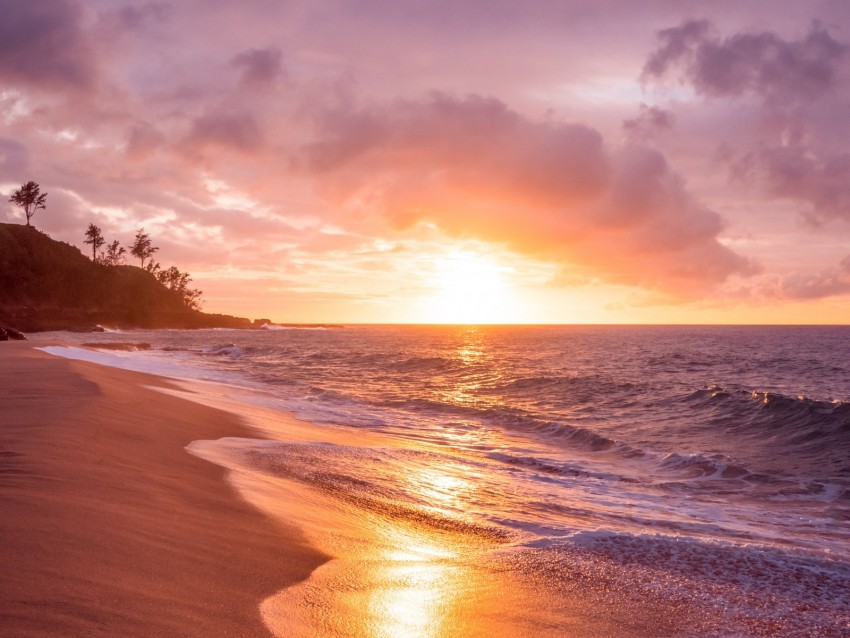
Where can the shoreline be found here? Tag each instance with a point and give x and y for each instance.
(109, 526)
(117, 525)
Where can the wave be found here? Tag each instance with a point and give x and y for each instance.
(688, 474)
(570, 391)
(336, 470)
(224, 350)
(728, 589)
(297, 326)
(555, 467)
(102, 328)
(702, 466)
(118, 345)
(803, 431)
(423, 364)
(337, 378)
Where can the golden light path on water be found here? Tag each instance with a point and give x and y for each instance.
(391, 575)
(422, 568)
(395, 570)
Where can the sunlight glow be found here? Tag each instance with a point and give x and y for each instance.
(471, 289)
(225, 196)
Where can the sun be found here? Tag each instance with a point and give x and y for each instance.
(469, 289)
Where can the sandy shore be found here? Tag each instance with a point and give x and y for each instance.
(108, 527)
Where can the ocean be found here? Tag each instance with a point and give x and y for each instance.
(644, 481)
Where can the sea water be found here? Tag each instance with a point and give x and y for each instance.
(641, 480)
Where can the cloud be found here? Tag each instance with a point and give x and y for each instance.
(135, 17)
(651, 121)
(259, 66)
(14, 159)
(42, 44)
(801, 173)
(826, 283)
(762, 64)
(236, 131)
(475, 168)
(142, 140)
(796, 285)
(168, 115)
(792, 144)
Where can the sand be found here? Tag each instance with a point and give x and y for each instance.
(108, 527)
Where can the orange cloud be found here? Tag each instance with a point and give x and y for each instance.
(475, 168)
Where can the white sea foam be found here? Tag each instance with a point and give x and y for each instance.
(150, 362)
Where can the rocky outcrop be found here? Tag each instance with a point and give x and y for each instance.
(10, 334)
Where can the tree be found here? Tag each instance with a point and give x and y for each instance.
(95, 238)
(114, 255)
(142, 246)
(30, 198)
(178, 282)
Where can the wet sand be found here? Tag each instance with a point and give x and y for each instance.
(108, 527)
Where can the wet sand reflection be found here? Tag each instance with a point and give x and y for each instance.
(394, 573)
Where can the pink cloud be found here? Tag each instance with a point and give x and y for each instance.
(127, 112)
(475, 168)
(760, 63)
(259, 66)
(236, 131)
(828, 282)
(791, 92)
(14, 158)
(650, 122)
(42, 44)
(802, 173)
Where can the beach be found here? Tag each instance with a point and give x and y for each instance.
(109, 527)
(427, 482)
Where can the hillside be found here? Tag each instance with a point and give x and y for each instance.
(50, 285)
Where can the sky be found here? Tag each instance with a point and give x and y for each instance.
(401, 161)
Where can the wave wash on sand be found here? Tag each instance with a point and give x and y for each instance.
(522, 527)
(108, 527)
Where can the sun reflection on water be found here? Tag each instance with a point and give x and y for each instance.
(420, 577)
(470, 350)
(417, 580)
(446, 490)
(403, 565)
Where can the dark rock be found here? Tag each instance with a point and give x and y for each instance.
(10, 334)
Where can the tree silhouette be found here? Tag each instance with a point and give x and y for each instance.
(95, 238)
(178, 282)
(30, 198)
(114, 254)
(142, 246)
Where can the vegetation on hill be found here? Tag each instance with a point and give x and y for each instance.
(143, 248)
(30, 199)
(50, 285)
